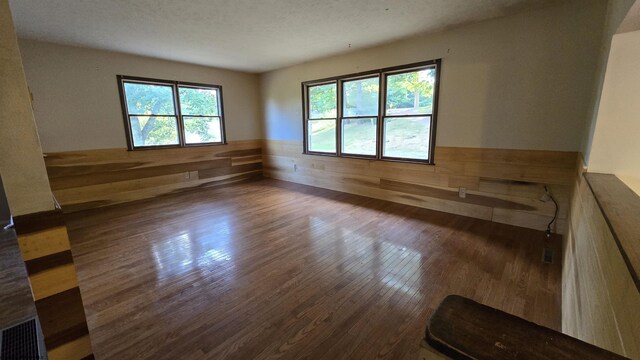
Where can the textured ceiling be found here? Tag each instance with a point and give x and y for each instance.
(249, 35)
(632, 21)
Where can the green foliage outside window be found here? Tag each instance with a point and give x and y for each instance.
(409, 93)
(157, 124)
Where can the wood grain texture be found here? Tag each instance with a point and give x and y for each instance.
(16, 302)
(62, 318)
(87, 179)
(600, 301)
(272, 269)
(620, 207)
(77, 349)
(45, 248)
(43, 243)
(465, 329)
(502, 185)
(53, 281)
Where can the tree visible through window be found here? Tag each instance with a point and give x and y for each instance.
(322, 118)
(168, 113)
(408, 113)
(200, 115)
(360, 116)
(364, 121)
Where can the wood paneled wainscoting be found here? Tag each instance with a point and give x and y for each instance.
(88, 179)
(600, 301)
(504, 186)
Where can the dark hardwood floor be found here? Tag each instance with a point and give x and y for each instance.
(271, 269)
(16, 302)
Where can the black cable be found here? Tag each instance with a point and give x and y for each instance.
(555, 214)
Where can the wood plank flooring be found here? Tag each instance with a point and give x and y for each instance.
(16, 303)
(271, 269)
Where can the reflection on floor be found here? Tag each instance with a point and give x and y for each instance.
(270, 268)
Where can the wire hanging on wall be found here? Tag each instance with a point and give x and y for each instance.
(546, 197)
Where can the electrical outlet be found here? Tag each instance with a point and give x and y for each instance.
(462, 192)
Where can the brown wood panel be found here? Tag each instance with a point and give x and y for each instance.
(211, 173)
(47, 262)
(273, 269)
(555, 159)
(599, 297)
(507, 184)
(133, 193)
(620, 207)
(35, 222)
(84, 178)
(62, 318)
(95, 178)
(468, 182)
(44, 244)
(465, 329)
(452, 195)
(76, 349)
(147, 157)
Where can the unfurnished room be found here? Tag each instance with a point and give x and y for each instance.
(303, 179)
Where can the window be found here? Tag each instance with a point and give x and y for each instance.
(360, 116)
(386, 114)
(162, 113)
(322, 118)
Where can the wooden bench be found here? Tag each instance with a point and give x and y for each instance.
(463, 329)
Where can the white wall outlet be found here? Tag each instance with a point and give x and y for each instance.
(462, 192)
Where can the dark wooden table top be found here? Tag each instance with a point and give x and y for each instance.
(464, 329)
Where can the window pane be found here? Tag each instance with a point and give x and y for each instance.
(154, 130)
(202, 129)
(196, 101)
(410, 93)
(322, 135)
(361, 97)
(407, 137)
(322, 101)
(147, 99)
(359, 136)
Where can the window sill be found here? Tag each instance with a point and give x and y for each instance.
(162, 147)
(370, 158)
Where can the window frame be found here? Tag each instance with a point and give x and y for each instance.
(307, 116)
(382, 103)
(175, 86)
(342, 117)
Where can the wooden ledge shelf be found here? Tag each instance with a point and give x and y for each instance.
(463, 329)
(620, 207)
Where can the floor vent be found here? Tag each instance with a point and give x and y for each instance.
(21, 342)
(547, 255)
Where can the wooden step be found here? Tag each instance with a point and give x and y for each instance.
(463, 329)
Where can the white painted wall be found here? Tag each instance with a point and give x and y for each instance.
(21, 163)
(616, 141)
(616, 12)
(518, 82)
(76, 100)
